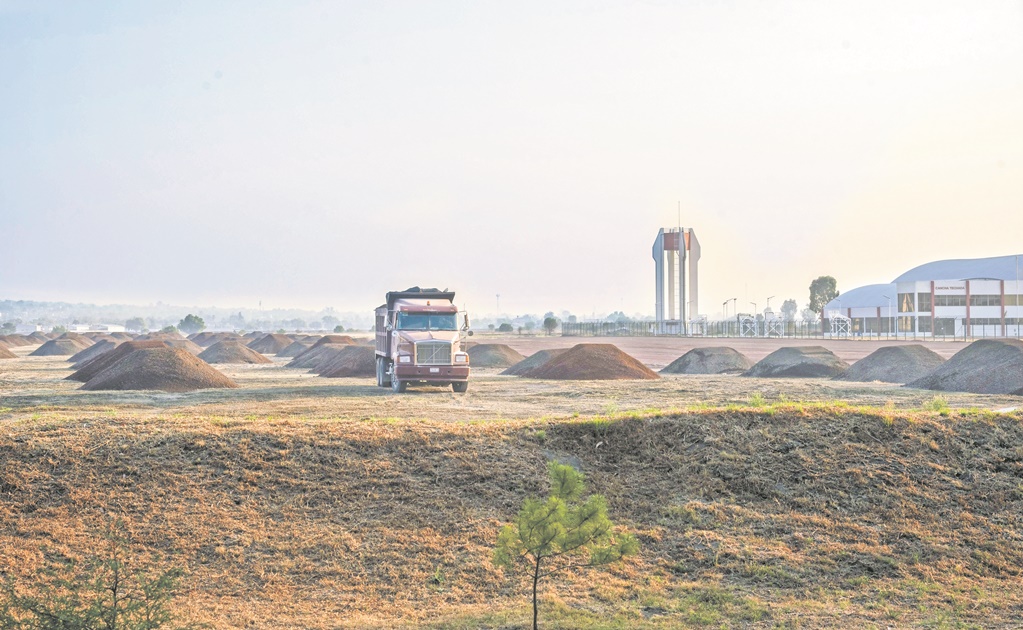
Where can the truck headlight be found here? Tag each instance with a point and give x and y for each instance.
(461, 357)
(405, 358)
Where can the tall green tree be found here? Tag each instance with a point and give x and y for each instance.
(550, 324)
(135, 323)
(191, 324)
(561, 532)
(822, 290)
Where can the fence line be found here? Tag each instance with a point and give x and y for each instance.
(785, 330)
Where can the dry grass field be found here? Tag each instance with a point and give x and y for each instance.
(297, 501)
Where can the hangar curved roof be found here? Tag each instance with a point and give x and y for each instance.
(869, 295)
(994, 268)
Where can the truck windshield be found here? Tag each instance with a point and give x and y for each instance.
(423, 321)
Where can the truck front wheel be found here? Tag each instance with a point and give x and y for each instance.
(397, 385)
(460, 387)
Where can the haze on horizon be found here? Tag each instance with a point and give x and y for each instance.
(311, 154)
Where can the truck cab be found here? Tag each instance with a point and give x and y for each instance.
(419, 340)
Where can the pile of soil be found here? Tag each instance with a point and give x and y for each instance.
(61, 347)
(255, 334)
(14, 341)
(318, 355)
(6, 354)
(799, 362)
(99, 336)
(533, 361)
(94, 350)
(121, 336)
(493, 355)
(232, 352)
(350, 361)
(207, 339)
(91, 367)
(593, 361)
(327, 339)
(712, 360)
(271, 344)
(296, 348)
(38, 337)
(183, 344)
(164, 369)
(986, 366)
(894, 364)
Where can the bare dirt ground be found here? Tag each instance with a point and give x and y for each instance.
(32, 384)
(298, 501)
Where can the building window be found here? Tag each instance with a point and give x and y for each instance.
(925, 324)
(906, 324)
(985, 300)
(1011, 300)
(905, 302)
(950, 300)
(923, 302)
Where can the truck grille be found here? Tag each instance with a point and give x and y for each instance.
(433, 353)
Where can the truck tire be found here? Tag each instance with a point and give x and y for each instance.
(397, 385)
(460, 387)
(383, 377)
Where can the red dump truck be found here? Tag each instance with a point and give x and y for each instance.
(419, 340)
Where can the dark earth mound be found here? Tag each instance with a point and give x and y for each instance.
(894, 364)
(712, 360)
(232, 352)
(593, 361)
(164, 369)
(799, 362)
(986, 366)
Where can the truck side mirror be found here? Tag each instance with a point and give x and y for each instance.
(389, 328)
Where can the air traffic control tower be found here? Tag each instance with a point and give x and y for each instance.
(671, 249)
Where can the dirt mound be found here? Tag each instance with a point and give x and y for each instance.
(184, 344)
(255, 334)
(493, 355)
(207, 339)
(232, 352)
(799, 362)
(99, 336)
(7, 354)
(296, 348)
(94, 350)
(593, 361)
(317, 355)
(894, 364)
(712, 360)
(14, 341)
(164, 369)
(329, 339)
(37, 337)
(121, 336)
(91, 367)
(987, 366)
(350, 361)
(271, 344)
(533, 361)
(61, 348)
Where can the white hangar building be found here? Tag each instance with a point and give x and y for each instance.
(979, 297)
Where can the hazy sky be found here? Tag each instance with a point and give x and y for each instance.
(310, 154)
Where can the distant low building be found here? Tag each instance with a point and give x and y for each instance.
(978, 297)
(28, 329)
(86, 328)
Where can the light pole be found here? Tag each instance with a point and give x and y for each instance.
(889, 318)
(769, 301)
